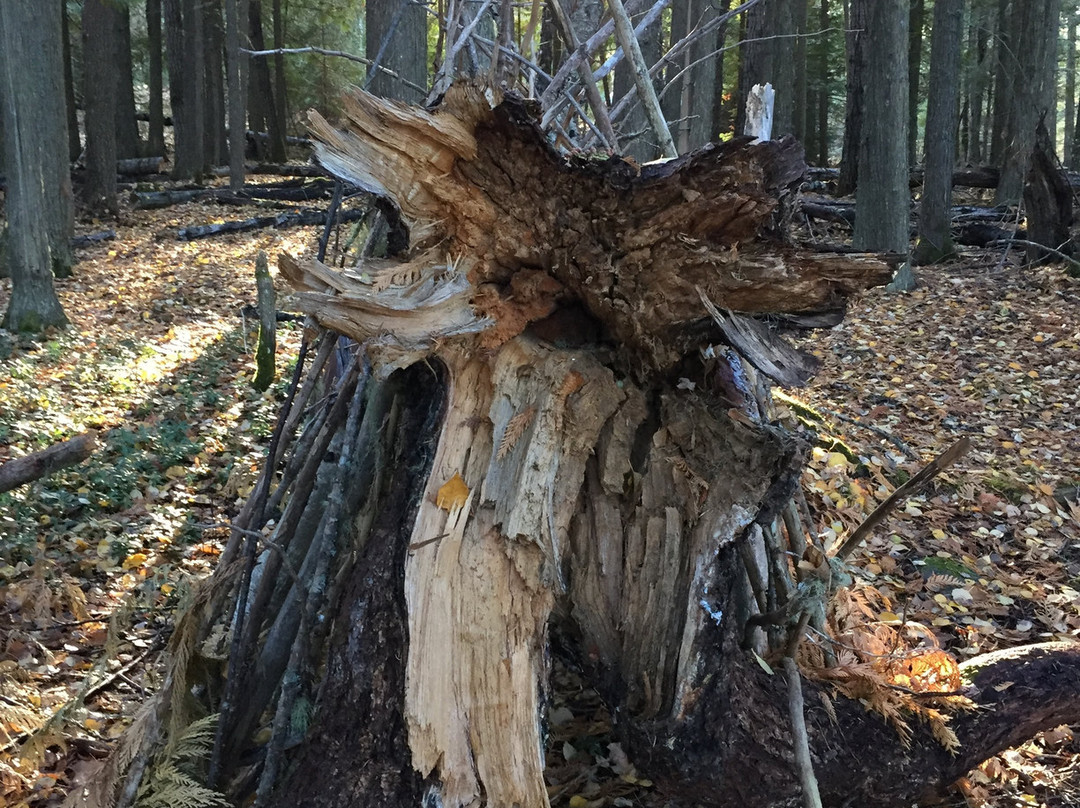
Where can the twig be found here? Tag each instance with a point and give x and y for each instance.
(916, 483)
(799, 739)
(325, 52)
(1019, 242)
(376, 64)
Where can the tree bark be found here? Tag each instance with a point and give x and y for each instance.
(156, 134)
(1031, 90)
(74, 144)
(38, 198)
(236, 63)
(398, 31)
(277, 123)
(183, 46)
(915, 49)
(215, 146)
(935, 238)
(855, 96)
(128, 143)
(1070, 87)
(100, 26)
(882, 198)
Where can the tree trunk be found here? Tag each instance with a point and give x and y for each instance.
(977, 84)
(1070, 87)
(1031, 90)
(128, 143)
(183, 46)
(100, 27)
(399, 32)
(236, 63)
(1003, 56)
(800, 113)
(156, 135)
(74, 144)
(855, 23)
(636, 137)
(915, 47)
(38, 197)
(770, 26)
(882, 197)
(279, 114)
(935, 238)
(260, 92)
(215, 146)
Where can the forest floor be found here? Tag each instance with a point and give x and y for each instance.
(94, 560)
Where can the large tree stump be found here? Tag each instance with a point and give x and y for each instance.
(552, 442)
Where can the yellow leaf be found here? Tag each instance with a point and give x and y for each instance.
(175, 472)
(578, 801)
(836, 459)
(889, 618)
(452, 494)
(134, 560)
(92, 724)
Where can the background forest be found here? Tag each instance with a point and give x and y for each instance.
(151, 149)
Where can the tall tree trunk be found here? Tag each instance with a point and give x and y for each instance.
(399, 32)
(99, 31)
(935, 238)
(38, 198)
(1070, 87)
(156, 134)
(721, 105)
(215, 146)
(800, 113)
(882, 197)
(128, 143)
(236, 62)
(707, 78)
(1004, 59)
(636, 136)
(260, 91)
(279, 117)
(915, 47)
(977, 84)
(1032, 90)
(855, 25)
(183, 47)
(770, 28)
(74, 144)
(676, 101)
(824, 73)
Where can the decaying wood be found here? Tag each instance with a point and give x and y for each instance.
(480, 189)
(34, 466)
(300, 218)
(288, 191)
(140, 165)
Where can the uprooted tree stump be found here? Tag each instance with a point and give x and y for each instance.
(538, 435)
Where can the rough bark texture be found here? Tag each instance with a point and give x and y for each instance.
(935, 239)
(882, 197)
(74, 144)
(128, 143)
(182, 46)
(100, 23)
(398, 31)
(1048, 201)
(38, 203)
(156, 134)
(1030, 90)
(856, 18)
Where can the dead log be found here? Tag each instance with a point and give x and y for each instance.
(139, 165)
(289, 191)
(92, 238)
(299, 218)
(275, 169)
(34, 466)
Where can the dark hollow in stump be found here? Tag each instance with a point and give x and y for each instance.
(549, 438)
(1048, 203)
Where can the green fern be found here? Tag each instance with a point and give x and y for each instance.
(173, 780)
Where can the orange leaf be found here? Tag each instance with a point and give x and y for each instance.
(452, 494)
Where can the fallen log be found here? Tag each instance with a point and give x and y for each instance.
(34, 466)
(971, 177)
(92, 238)
(300, 218)
(139, 165)
(290, 191)
(274, 169)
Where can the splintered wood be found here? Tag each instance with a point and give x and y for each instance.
(556, 292)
